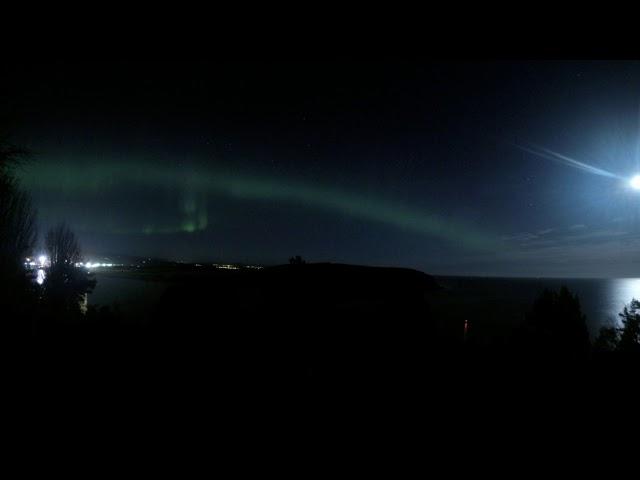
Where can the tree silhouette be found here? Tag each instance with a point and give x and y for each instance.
(62, 247)
(17, 236)
(607, 340)
(66, 285)
(630, 331)
(557, 324)
(17, 216)
(625, 339)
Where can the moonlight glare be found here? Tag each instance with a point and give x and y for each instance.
(571, 162)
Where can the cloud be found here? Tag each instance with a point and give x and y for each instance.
(587, 250)
(605, 233)
(519, 237)
(599, 255)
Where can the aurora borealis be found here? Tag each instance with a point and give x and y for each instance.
(196, 187)
(445, 167)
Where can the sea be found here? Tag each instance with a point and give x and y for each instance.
(601, 299)
(464, 297)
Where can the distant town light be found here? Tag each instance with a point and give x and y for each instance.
(98, 264)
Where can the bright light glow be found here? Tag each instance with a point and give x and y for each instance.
(225, 266)
(635, 182)
(41, 276)
(571, 162)
(96, 265)
(42, 259)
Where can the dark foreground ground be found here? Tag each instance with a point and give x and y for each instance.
(309, 326)
(331, 357)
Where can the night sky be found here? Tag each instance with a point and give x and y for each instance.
(478, 168)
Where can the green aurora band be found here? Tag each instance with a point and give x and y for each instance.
(95, 179)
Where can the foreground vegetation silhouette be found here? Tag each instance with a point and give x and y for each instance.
(555, 326)
(18, 236)
(64, 292)
(625, 339)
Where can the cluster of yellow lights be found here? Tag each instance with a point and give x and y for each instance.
(41, 261)
(226, 266)
(95, 265)
(229, 266)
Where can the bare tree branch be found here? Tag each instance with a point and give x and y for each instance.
(62, 246)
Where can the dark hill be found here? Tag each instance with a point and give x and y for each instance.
(349, 282)
(296, 318)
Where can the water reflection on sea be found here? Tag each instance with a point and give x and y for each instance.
(509, 298)
(620, 292)
(601, 299)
